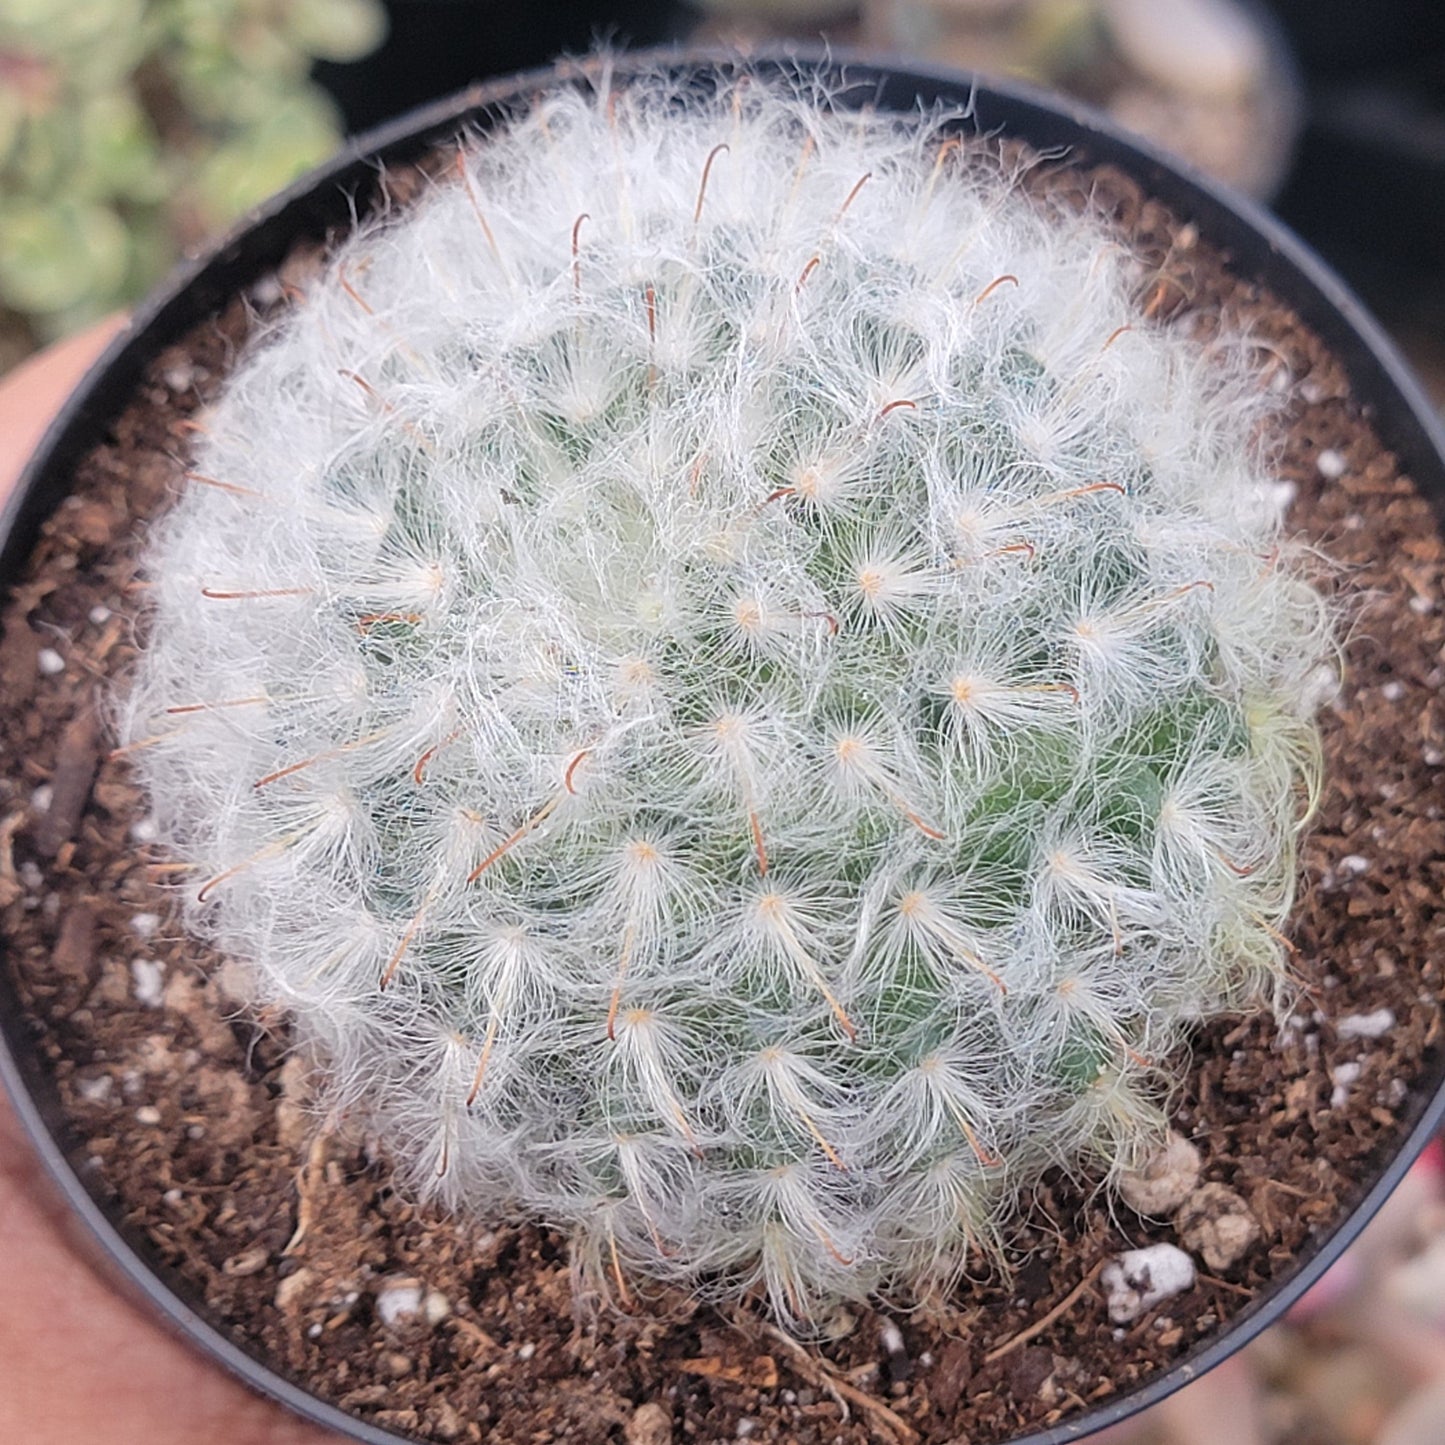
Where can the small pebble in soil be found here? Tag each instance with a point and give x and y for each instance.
(148, 1115)
(148, 982)
(30, 875)
(1166, 1180)
(145, 830)
(96, 1090)
(1393, 691)
(1217, 1225)
(446, 1421)
(526, 1350)
(1139, 1279)
(650, 1424)
(399, 1300)
(249, 1262)
(1353, 865)
(397, 1365)
(99, 614)
(1366, 1026)
(746, 1427)
(1331, 464)
(291, 1290)
(1342, 1076)
(49, 661)
(894, 1351)
(144, 925)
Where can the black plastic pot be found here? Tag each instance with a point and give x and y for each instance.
(1259, 247)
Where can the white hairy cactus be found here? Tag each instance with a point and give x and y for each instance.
(739, 691)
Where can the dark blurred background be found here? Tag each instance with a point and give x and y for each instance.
(1367, 186)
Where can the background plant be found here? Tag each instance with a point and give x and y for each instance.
(742, 693)
(130, 129)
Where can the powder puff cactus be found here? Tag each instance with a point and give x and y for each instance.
(737, 687)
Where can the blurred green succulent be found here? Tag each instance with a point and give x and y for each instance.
(131, 129)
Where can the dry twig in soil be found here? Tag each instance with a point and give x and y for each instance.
(817, 1372)
(1039, 1326)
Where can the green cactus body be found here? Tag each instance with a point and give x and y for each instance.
(741, 694)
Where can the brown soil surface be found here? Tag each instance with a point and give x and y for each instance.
(195, 1124)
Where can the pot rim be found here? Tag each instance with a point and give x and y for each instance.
(1255, 243)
